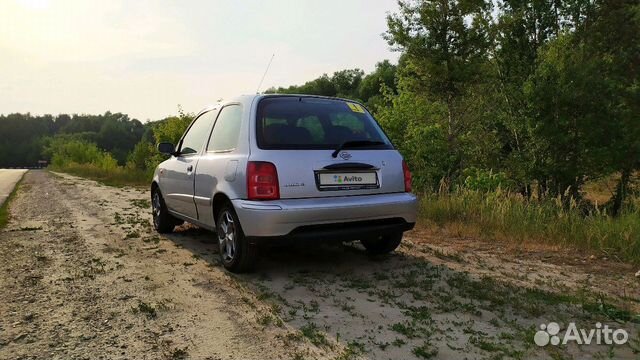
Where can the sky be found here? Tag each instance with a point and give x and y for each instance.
(146, 57)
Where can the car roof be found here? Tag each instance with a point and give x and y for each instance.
(306, 95)
(249, 98)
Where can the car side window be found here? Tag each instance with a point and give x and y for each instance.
(197, 134)
(226, 129)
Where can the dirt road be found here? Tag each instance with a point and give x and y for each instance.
(8, 180)
(83, 276)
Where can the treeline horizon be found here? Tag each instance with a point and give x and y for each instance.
(25, 136)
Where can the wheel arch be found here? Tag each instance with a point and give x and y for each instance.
(219, 199)
(154, 187)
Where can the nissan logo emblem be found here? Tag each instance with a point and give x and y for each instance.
(345, 155)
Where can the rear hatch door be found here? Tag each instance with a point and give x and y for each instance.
(325, 147)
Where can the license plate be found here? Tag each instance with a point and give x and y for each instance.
(348, 179)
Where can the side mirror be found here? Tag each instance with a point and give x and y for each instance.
(166, 148)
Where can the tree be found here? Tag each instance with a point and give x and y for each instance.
(444, 44)
(21, 138)
(370, 89)
(565, 96)
(321, 86)
(611, 40)
(347, 82)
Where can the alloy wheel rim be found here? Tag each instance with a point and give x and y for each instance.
(156, 208)
(227, 237)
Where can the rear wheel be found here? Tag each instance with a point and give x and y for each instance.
(163, 222)
(236, 253)
(383, 244)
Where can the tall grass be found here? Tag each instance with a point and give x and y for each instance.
(501, 215)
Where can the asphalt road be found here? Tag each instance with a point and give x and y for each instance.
(8, 180)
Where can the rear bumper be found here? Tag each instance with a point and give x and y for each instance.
(341, 218)
(337, 232)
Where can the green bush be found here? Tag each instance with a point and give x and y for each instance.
(85, 159)
(485, 180)
(64, 151)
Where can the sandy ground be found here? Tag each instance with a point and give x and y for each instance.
(8, 180)
(83, 276)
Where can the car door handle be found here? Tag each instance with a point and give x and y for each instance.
(190, 168)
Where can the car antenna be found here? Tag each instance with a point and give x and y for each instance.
(265, 74)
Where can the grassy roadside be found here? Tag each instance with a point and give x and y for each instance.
(506, 217)
(116, 176)
(4, 209)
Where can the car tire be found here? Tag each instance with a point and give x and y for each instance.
(383, 244)
(163, 222)
(237, 254)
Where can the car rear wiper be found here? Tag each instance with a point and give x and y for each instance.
(355, 143)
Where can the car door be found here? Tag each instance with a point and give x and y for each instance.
(179, 180)
(218, 166)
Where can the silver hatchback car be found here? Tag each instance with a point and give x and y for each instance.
(263, 169)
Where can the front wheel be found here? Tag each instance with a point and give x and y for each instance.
(383, 244)
(163, 222)
(236, 253)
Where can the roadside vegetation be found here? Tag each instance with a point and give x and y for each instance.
(507, 216)
(4, 208)
(74, 154)
(505, 111)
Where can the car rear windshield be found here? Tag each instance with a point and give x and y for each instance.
(292, 122)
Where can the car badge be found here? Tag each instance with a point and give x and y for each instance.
(345, 155)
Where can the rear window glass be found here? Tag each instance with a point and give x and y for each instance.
(293, 122)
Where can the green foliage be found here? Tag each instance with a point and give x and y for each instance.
(542, 92)
(118, 135)
(23, 137)
(66, 150)
(85, 159)
(443, 66)
(349, 83)
(172, 128)
(144, 158)
(485, 181)
(445, 42)
(612, 42)
(565, 96)
(370, 89)
(80, 152)
(408, 121)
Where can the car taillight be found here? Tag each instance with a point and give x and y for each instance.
(262, 181)
(407, 177)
